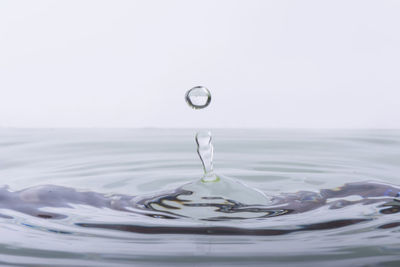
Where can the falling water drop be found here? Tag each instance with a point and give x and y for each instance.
(198, 97)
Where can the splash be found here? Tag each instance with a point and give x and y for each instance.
(212, 197)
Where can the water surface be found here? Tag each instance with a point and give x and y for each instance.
(123, 162)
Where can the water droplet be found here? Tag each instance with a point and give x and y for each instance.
(198, 97)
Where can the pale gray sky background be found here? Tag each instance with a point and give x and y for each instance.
(300, 64)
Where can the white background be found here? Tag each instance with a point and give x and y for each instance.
(296, 64)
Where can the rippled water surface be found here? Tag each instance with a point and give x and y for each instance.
(86, 198)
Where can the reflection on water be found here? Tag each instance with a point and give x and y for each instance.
(181, 203)
(389, 207)
(92, 198)
(222, 230)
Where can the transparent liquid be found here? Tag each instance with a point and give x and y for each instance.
(125, 167)
(198, 97)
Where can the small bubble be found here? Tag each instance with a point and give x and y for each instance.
(198, 97)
